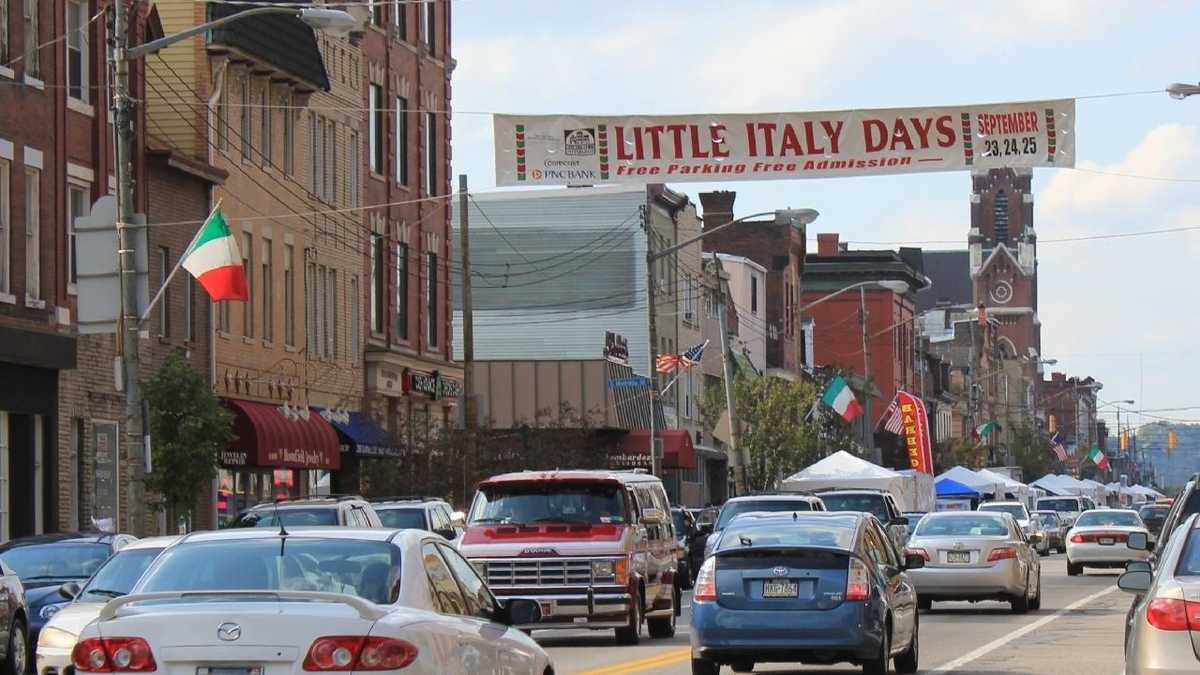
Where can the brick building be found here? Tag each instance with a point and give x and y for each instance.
(867, 332)
(1070, 409)
(411, 378)
(781, 251)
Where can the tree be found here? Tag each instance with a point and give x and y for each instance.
(188, 427)
(1032, 453)
(774, 432)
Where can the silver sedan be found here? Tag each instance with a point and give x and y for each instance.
(975, 556)
(1098, 540)
(1164, 618)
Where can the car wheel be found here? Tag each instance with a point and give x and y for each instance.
(631, 633)
(880, 665)
(1062, 549)
(18, 649)
(705, 667)
(1020, 604)
(664, 627)
(1074, 570)
(1036, 603)
(908, 662)
(924, 604)
(743, 667)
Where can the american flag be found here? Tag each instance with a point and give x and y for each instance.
(669, 362)
(1060, 450)
(893, 418)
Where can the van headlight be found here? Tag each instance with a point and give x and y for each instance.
(603, 570)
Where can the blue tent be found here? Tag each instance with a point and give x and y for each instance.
(948, 487)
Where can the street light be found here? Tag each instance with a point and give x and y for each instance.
(328, 20)
(1181, 91)
(795, 218)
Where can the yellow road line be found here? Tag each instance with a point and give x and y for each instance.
(637, 665)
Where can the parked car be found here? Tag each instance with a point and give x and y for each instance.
(763, 503)
(367, 599)
(879, 503)
(1163, 621)
(691, 538)
(311, 511)
(14, 622)
(1154, 516)
(46, 562)
(1099, 539)
(116, 577)
(595, 548)
(431, 514)
(1053, 528)
(858, 603)
(1068, 507)
(981, 555)
(1028, 524)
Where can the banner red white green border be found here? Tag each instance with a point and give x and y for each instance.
(589, 150)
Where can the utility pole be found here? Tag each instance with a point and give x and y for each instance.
(122, 110)
(469, 415)
(652, 354)
(862, 320)
(739, 475)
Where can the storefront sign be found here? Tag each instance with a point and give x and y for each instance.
(586, 150)
(915, 432)
(232, 458)
(106, 479)
(433, 385)
(616, 348)
(627, 460)
(388, 381)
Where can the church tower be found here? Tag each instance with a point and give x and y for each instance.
(1003, 256)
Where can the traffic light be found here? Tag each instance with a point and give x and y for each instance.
(1052, 424)
(1172, 440)
(1124, 440)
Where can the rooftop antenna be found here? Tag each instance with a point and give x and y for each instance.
(282, 530)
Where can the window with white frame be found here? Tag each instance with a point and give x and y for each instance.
(331, 318)
(428, 25)
(4, 40)
(247, 124)
(77, 50)
(268, 290)
(310, 309)
(248, 272)
(354, 346)
(354, 171)
(223, 120)
(164, 311)
(320, 289)
(33, 57)
(401, 140)
(189, 308)
(33, 234)
(289, 134)
(5, 223)
(266, 126)
(78, 206)
(289, 295)
(314, 160)
(431, 154)
(754, 294)
(402, 291)
(689, 299)
(376, 132)
(399, 19)
(331, 162)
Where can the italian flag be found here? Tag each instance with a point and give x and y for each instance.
(839, 397)
(1097, 455)
(984, 430)
(214, 260)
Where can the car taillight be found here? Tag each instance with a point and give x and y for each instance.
(706, 582)
(1167, 614)
(1093, 537)
(1077, 539)
(353, 652)
(917, 551)
(113, 655)
(858, 585)
(1002, 553)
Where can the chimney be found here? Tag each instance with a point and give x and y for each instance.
(718, 207)
(827, 244)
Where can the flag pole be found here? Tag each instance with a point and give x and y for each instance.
(178, 264)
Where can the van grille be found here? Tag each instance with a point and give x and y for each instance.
(539, 572)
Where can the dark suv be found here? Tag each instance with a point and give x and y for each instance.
(311, 511)
(879, 503)
(1187, 503)
(431, 514)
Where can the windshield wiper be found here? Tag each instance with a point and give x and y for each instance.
(105, 592)
(54, 576)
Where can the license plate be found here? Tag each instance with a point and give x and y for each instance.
(226, 670)
(1107, 541)
(958, 556)
(781, 589)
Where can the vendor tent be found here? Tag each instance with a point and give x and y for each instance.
(948, 487)
(1012, 488)
(982, 485)
(844, 470)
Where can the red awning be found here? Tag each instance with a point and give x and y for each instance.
(266, 437)
(678, 451)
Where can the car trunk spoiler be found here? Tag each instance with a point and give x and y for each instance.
(366, 610)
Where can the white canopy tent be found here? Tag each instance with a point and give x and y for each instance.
(974, 479)
(1020, 491)
(844, 470)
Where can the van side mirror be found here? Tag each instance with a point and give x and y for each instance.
(1138, 541)
(458, 519)
(1138, 566)
(1136, 582)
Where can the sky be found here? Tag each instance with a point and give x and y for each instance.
(1122, 310)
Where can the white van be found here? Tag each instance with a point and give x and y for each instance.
(1068, 507)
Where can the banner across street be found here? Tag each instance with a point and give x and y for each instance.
(587, 150)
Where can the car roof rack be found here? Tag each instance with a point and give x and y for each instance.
(405, 498)
(313, 498)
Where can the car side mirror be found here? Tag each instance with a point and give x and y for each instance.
(449, 534)
(520, 612)
(914, 562)
(1138, 566)
(458, 519)
(69, 590)
(1138, 541)
(1137, 581)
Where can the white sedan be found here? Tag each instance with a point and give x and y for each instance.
(262, 601)
(1099, 537)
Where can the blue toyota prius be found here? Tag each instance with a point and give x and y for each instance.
(806, 587)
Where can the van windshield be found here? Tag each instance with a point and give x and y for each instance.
(592, 504)
(1060, 505)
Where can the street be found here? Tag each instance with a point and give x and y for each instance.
(1081, 617)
